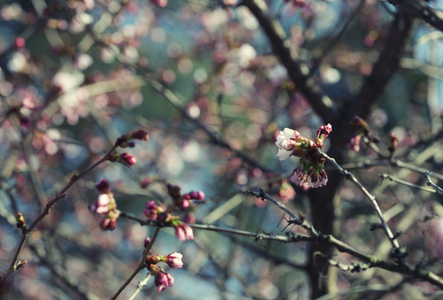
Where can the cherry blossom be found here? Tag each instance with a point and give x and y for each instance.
(174, 260)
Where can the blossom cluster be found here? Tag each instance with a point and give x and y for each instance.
(362, 130)
(183, 231)
(159, 213)
(127, 141)
(310, 172)
(105, 206)
(162, 279)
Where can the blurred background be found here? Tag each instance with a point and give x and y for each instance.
(201, 78)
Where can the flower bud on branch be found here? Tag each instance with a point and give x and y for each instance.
(310, 172)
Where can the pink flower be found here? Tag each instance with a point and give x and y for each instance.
(317, 180)
(324, 131)
(151, 210)
(184, 204)
(139, 135)
(197, 195)
(354, 143)
(163, 280)
(128, 159)
(174, 260)
(102, 205)
(286, 142)
(183, 232)
(108, 224)
(311, 178)
(298, 177)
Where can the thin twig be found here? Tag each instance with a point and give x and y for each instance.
(61, 194)
(140, 266)
(430, 183)
(348, 175)
(371, 261)
(407, 183)
(140, 286)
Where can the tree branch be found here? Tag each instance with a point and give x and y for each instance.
(421, 10)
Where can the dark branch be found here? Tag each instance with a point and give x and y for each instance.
(420, 10)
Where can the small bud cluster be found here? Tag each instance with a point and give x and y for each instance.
(106, 206)
(310, 173)
(162, 279)
(125, 158)
(362, 131)
(159, 213)
(127, 141)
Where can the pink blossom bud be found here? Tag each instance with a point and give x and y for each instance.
(108, 224)
(174, 260)
(147, 242)
(163, 280)
(151, 210)
(184, 232)
(197, 195)
(102, 205)
(139, 135)
(128, 159)
(184, 204)
(324, 131)
(103, 186)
